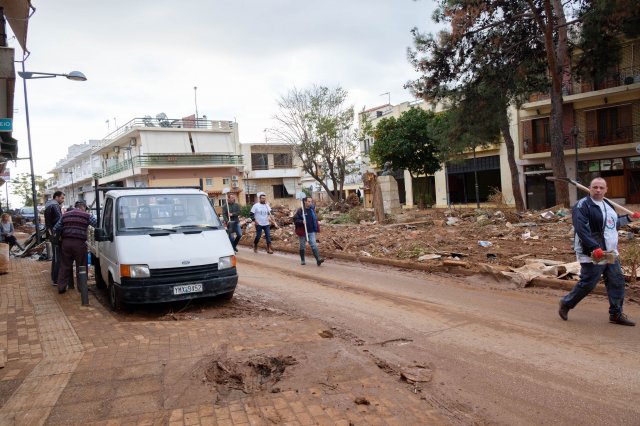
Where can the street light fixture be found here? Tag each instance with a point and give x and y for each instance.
(31, 75)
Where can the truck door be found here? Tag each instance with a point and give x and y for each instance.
(107, 248)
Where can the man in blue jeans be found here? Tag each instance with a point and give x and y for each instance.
(261, 214)
(596, 225)
(231, 215)
(307, 217)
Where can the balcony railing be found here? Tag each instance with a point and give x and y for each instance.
(166, 123)
(179, 160)
(271, 167)
(589, 139)
(622, 77)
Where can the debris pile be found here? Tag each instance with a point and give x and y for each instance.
(519, 245)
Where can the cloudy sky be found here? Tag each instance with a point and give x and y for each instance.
(144, 57)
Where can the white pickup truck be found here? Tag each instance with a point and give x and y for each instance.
(161, 245)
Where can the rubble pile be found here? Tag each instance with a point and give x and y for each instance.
(525, 245)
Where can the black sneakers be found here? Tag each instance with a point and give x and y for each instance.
(563, 311)
(621, 319)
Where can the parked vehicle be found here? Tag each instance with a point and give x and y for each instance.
(161, 245)
(27, 213)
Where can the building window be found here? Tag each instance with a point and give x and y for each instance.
(226, 181)
(279, 191)
(259, 161)
(282, 160)
(609, 126)
(535, 135)
(367, 145)
(209, 181)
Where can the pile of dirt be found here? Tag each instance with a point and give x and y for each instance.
(499, 237)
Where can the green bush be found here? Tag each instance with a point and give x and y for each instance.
(245, 210)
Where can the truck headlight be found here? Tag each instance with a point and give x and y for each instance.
(134, 271)
(227, 262)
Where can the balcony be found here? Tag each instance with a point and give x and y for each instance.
(575, 86)
(165, 123)
(590, 139)
(171, 160)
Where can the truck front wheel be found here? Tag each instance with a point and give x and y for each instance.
(114, 301)
(100, 282)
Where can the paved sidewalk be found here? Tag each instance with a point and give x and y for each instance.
(68, 364)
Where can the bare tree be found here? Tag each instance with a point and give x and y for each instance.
(320, 128)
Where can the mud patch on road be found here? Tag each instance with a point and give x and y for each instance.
(241, 306)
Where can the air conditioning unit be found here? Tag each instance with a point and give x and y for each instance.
(234, 177)
(234, 184)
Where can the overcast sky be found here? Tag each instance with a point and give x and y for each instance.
(144, 57)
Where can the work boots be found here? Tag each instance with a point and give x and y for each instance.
(621, 319)
(319, 260)
(269, 250)
(255, 247)
(302, 257)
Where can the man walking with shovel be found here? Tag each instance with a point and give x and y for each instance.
(596, 225)
(306, 226)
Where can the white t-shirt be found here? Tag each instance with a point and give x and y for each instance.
(261, 213)
(610, 232)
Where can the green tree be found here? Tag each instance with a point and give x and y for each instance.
(21, 186)
(409, 142)
(319, 126)
(504, 44)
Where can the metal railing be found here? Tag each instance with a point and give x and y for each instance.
(166, 123)
(171, 160)
(271, 167)
(621, 77)
(589, 139)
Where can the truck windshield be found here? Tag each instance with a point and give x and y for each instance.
(165, 211)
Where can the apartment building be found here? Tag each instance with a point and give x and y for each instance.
(74, 174)
(454, 183)
(274, 170)
(160, 151)
(601, 134)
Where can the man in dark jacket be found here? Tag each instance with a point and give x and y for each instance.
(307, 217)
(52, 214)
(596, 225)
(231, 215)
(73, 229)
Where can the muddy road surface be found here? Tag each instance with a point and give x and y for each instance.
(476, 350)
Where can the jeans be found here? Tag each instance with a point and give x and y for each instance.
(312, 241)
(589, 276)
(233, 227)
(267, 233)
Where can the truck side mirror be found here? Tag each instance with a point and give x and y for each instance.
(101, 235)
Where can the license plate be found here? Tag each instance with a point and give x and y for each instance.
(189, 288)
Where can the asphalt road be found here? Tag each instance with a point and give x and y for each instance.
(497, 354)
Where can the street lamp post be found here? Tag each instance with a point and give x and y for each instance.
(28, 75)
(575, 131)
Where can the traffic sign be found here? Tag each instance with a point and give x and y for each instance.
(6, 125)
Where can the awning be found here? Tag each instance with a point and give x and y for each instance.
(8, 147)
(17, 13)
(290, 185)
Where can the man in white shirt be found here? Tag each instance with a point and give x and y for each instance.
(261, 214)
(596, 225)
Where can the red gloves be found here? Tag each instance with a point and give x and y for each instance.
(597, 254)
(636, 215)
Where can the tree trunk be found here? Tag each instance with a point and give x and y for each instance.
(556, 58)
(511, 157)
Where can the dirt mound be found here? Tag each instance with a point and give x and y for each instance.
(259, 373)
